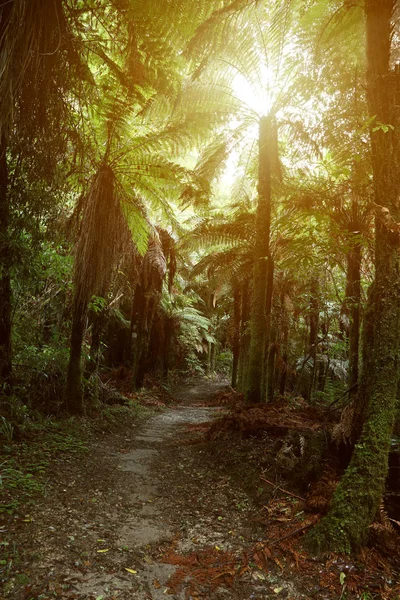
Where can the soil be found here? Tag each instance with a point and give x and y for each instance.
(152, 512)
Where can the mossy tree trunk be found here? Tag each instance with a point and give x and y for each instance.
(5, 249)
(5, 266)
(360, 399)
(258, 320)
(358, 494)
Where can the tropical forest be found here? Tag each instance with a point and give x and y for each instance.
(200, 299)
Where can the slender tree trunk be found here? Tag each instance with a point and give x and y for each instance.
(258, 321)
(209, 352)
(353, 294)
(143, 340)
(271, 377)
(213, 357)
(355, 411)
(168, 335)
(360, 401)
(137, 324)
(74, 395)
(236, 333)
(244, 336)
(99, 320)
(358, 494)
(5, 266)
(283, 374)
(314, 327)
(270, 336)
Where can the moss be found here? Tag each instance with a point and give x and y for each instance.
(258, 320)
(356, 499)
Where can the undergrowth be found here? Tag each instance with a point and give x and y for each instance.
(27, 453)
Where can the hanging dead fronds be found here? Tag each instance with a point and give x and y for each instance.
(38, 61)
(101, 238)
(154, 266)
(168, 245)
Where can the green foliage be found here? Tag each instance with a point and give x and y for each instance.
(15, 483)
(223, 362)
(129, 147)
(6, 429)
(24, 465)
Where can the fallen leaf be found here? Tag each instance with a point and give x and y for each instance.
(157, 584)
(131, 571)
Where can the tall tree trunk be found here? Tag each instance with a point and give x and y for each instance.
(258, 321)
(5, 250)
(357, 496)
(244, 336)
(314, 327)
(99, 321)
(74, 394)
(236, 333)
(353, 299)
(168, 336)
(5, 266)
(283, 348)
(147, 361)
(137, 322)
(270, 336)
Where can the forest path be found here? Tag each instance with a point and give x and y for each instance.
(147, 516)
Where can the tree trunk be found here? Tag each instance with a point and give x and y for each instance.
(74, 395)
(270, 336)
(314, 327)
(5, 266)
(137, 320)
(353, 294)
(244, 336)
(147, 361)
(236, 333)
(99, 321)
(358, 494)
(258, 321)
(168, 336)
(209, 353)
(285, 326)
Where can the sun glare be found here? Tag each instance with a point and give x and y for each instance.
(257, 97)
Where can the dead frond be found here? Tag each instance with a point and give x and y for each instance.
(100, 239)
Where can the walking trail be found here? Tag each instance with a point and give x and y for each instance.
(150, 517)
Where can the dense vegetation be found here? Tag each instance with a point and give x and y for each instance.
(205, 190)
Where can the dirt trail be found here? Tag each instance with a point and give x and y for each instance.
(106, 534)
